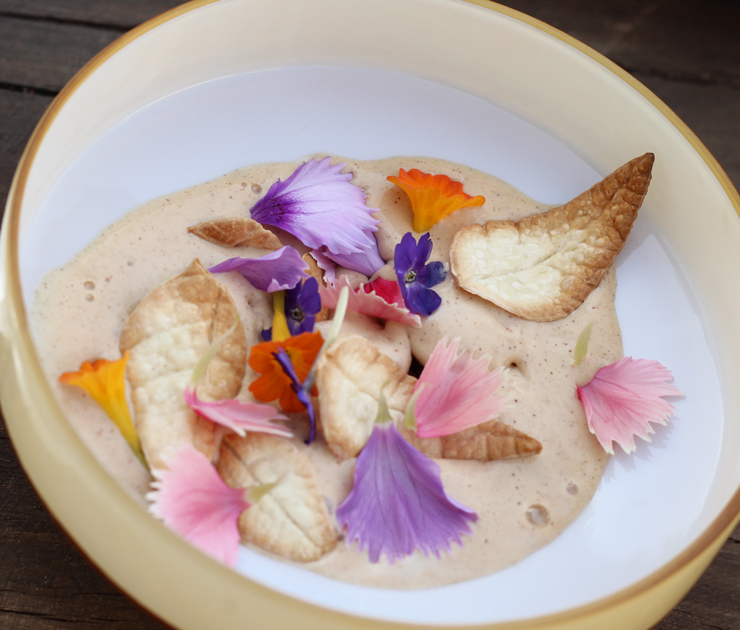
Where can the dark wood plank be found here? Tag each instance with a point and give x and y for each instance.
(691, 40)
(45, 55)
(119, 13)
(19, 114)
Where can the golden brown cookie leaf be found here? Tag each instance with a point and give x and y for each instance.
(291, 520)
(234, 231)
(544, 266)
(316, 272)
(485, 442)
(349, 377)
(167, 334)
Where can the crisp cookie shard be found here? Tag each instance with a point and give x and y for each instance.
(544, 266)
(316, 272)
(233, 231)
(485, 442)
(167, 334)
(291, 520)
(350, 374)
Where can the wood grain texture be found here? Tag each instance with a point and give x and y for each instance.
(45, 55)
(122, 14)
(686, 52)
(19, 114)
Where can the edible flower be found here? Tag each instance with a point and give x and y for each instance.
(433, 197)
(624, 398)
(367, 262)
(398, 503)
(105, 382)
(302, 387)
(273, 383)
(302, 303)
(456, 392)
(318, 205)
(368, 303)
(276, 271)
(234, 414)
(386, 289)
(193, 501)
(281, 356)
(415, 277)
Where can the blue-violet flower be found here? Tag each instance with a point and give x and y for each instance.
(415, 277)
(302, 303)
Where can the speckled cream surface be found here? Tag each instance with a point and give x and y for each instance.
(79, 311)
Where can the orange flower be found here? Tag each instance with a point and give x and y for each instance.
(433, 197)
(273, 382)
(105, 382)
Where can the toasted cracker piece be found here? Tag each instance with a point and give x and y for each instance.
(349, 377)
(485, 442)
(291, 519)
(316, 272)
(167, 334)
(544, 266)
(234, 231)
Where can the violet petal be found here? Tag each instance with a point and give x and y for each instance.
(320, 206)
(277, 271)
(302, 303)
(366, 262)
(398, 503)
(281, 356)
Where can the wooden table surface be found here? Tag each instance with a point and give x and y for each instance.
(687, 52)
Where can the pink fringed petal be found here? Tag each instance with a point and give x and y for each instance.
(194, 501)
(460, 392)
(624, 398)
(237, 415)
(367, 303)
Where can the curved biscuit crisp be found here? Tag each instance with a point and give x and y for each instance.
(233, 231)
(544, 266)
(167, 334)
(350, 375)
(485, 442)
(291, 519)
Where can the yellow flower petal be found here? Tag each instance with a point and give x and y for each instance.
(280, 331)
(105, 382)
(433, 197)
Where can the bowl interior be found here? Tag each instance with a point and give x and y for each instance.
(121, 139)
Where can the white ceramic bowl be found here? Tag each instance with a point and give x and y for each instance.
(209, 87)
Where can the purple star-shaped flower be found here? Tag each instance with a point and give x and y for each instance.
(276, 271)
(320, 206)
(415, 276)
(398, 503)
(302, 303)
